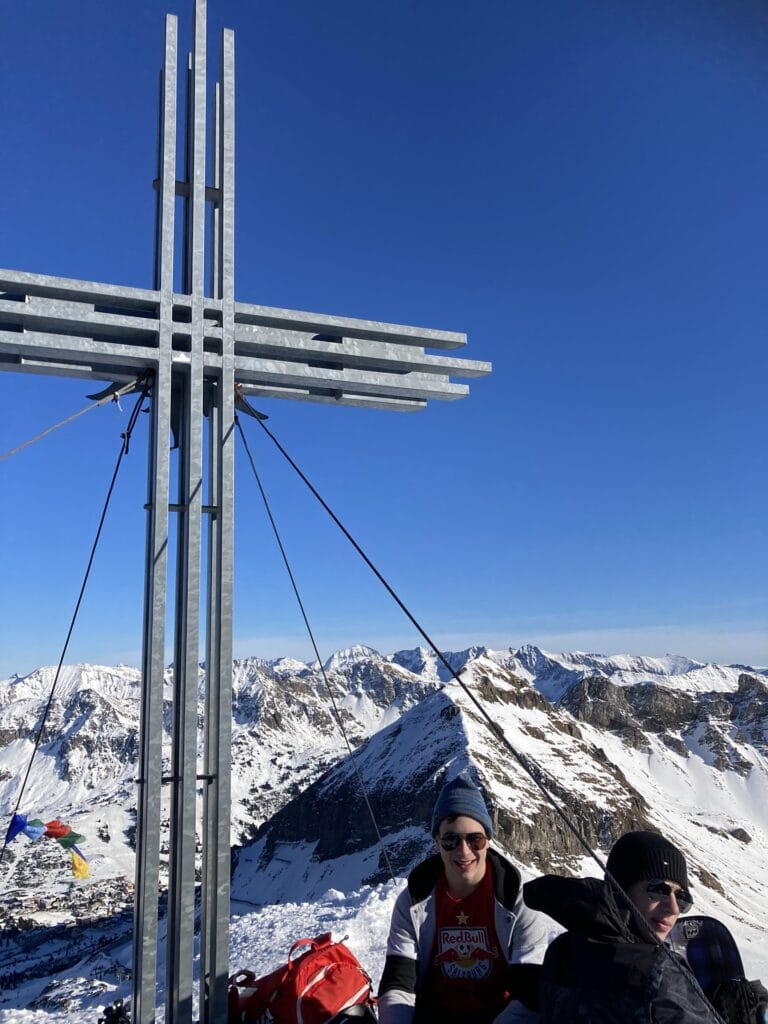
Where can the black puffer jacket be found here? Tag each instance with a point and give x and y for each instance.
(601, 971)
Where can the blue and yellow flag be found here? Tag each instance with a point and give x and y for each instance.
(79, 864)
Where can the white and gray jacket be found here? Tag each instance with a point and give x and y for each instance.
(522, 934)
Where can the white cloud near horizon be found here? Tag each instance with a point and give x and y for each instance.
(743, 644)
(718, 643)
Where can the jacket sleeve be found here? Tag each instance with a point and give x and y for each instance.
(530, 935)
(679, 999)
(397, 991)
(527, 944)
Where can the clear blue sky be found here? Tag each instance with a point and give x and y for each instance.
(578, 186)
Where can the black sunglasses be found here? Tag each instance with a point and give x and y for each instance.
(474, 840)
(658, 887)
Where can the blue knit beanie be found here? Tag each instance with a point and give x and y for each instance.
(462, 796)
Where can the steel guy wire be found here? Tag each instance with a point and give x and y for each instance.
(113, 396)
(124, 445)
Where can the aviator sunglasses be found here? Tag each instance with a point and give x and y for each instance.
(658, 887)
(474, 840)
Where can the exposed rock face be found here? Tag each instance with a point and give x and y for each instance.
(741, 834)
(720, 721)
(597, 701)
(749, 711)
(630, 710)
(94, 741)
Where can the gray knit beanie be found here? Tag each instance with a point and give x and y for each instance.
(462, 796)
(636, 856)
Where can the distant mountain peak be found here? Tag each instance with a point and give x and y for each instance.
(348, 656)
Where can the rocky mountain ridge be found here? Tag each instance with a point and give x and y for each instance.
(565, 742)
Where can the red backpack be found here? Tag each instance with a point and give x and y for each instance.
(312, 988)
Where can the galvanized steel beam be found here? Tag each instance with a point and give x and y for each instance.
(189, 395)
(156, 569)
(214, 926)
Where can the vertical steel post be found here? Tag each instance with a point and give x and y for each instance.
(156, 573)
(182, 840)
(214, 952)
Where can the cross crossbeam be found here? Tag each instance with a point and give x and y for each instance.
(195, 346)
(81, 328)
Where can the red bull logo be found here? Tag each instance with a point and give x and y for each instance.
(465, 952)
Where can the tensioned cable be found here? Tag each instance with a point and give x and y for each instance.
(328, 686)
(528, 766)
(113, 396)
(125, 442)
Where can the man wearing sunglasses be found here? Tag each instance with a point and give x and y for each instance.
(612, 964)
(654, 875)
(460, 933)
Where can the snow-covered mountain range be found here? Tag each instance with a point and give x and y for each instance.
(619, 742)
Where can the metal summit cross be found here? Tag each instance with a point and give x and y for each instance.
(194, 347)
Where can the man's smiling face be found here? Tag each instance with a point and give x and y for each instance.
(464, 866)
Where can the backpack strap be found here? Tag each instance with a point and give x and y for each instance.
(317, 943)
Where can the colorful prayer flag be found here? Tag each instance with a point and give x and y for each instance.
(79, 864)
(56, 829)
(69, 840)
(18, 824)
(35, 829)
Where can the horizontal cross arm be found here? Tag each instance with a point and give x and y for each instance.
(21, 283)
(363, 353)
(67, 316)
(349, 327)
(392, 385)
(38, 352)
(60, 325)
(331, 397)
